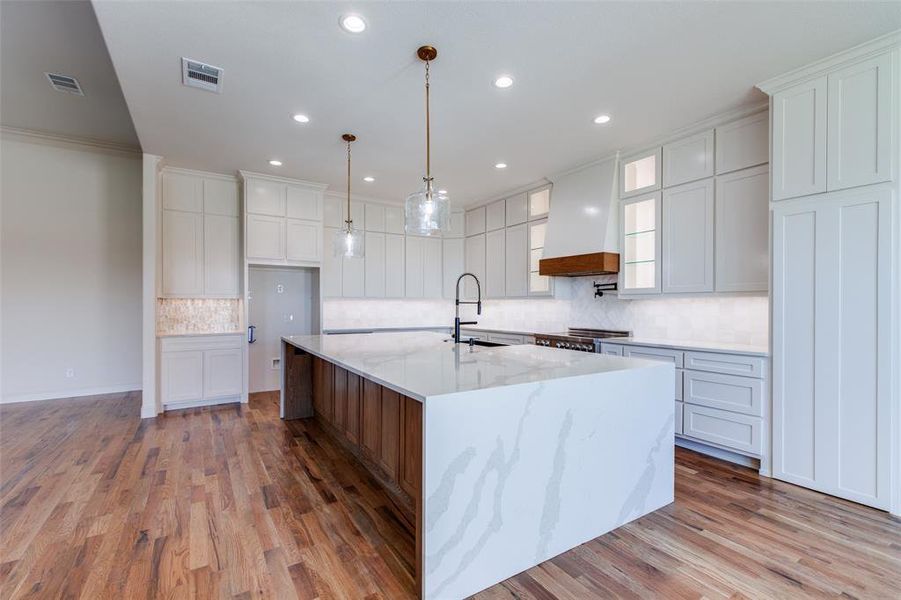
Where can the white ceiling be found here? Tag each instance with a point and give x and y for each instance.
(654, 67)
(59, 37)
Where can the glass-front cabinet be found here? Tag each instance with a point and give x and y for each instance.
(640, 173)
(539, 202)
(539, 285)
(640, 257)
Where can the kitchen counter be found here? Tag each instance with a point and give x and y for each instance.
(510, 455)
(676, 344)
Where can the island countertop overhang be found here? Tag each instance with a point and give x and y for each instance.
(427, 364)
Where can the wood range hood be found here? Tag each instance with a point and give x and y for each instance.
(580, 265)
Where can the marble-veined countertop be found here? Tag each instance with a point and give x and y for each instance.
(422, 363)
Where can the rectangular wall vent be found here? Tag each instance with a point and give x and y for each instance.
(64, 83)
(201, 75)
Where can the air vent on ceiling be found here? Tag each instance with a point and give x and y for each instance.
(201, 75)
(64, 83)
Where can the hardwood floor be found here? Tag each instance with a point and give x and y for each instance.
(231, 502)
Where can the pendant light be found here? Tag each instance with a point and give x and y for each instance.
(348, 240)
(427, 213)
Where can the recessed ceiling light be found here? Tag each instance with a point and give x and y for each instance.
(301, 118)
(368, 179)
(353, 23)
(275, 163)
(601, 119)
(504, 81)
(500, 166)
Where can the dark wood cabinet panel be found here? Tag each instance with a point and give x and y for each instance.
(318, 366)
(389, 442)
(328, 400)
(340, 395)
(411, 446)
(352, 415)
(370, 436)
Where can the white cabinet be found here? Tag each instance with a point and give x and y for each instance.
(457, 225)
(517, 210)
(452, 256)
(198, 370)
(394, 219)
(799, 140)
(265, 238)
(495, 258)
(495, 215)
(221, 255)
(539, 202)
(375, 217)
(688, 237)
(394, 266)
(266, 197)
(659, 354)
(639, 173)
(222, 371)
(833, 292)
(688, 159)
(475, 221)
(859, 123)
(333, 210)
(353, 277)
(423, 274)
(331, 273)
(507, 339)
(374, 264)
(743, 143)
(303, 203)
(475, 263)
(539, 285)
(728, 429)
(728, 392)
(181, 375)
(182, 250)
(182, 191)
(220, 197)
(679, 411)
(742, 230)
(302, 239)
(516, 267)
(640, 242)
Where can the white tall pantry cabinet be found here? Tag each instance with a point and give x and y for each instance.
(835, 274)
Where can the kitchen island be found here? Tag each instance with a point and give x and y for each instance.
(501, 457)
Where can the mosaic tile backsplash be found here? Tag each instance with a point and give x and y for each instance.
(183, 316)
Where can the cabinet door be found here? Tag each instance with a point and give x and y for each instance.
(742, 230)
(495, 258)
(334, 212)
(352, 416)
(732, 430)
(799, 140)
(302, 240)
(374, 277)
(413, 267)
(389, 442)
(375, 218)
(332, 266)
(371, 415)
(639, 173)
(517, 261)
(182, 250)
(265, 237)
(640, 241)
(495, 215)
(394, 219)
(340, 390)
(539, 285)
(452, 257)
(727, 392)
(303, 203)
(432, 279)
(475, 221)
(394, 266)
(688, 159)
(182, 191)
(743, 143)
(223, 373)
(181, 376)
(411, 446)
(221, 256)
(265, 197)
(540, 203)
(517, 209)
(475, 264)
(353, 278)
(220, 197)
(358, 214)
(457, 226)
(688, 238)
(859, 124)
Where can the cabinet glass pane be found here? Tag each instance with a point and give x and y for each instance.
(640, 275)
(640, 247)
(640, 173)
(537, 237)
(539, 202)
(640, 216)
(539, 283)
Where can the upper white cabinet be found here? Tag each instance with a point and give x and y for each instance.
(394, 220)
(200, 245)
(374, 265)
(516, 263)
(283, 220)
(639, 173)
(453, 264)
(743, 143)
(375, 217)
(517, 210)
(742, 230)
(539, 285)
(688, 237)
(494, 284)
(332, 270)
(423, 275)
(539, 203)
(799, 140)
(457, 225)
(858, 124)
(640, 257)
(475, 221)
(495, 215)
(474, 263)
(394, 266)
(688, 159)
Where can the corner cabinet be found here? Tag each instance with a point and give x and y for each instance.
(640, 258)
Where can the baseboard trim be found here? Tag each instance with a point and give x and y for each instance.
(65, 394)
(733, 457)
(170, 406)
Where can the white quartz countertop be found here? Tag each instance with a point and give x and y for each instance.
(424, 364)
(726, 347)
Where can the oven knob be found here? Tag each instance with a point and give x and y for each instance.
(559, 344)
(547, 342)
(586, 347)
(568, 346)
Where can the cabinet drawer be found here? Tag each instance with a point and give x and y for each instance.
(661, 354)
(728, 429)
(679, 410)
(611, 349)
(505, 338)
(728, 392)
(680, 377)
(730, 364)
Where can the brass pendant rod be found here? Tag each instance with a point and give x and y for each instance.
(348, 137)
(428, 135)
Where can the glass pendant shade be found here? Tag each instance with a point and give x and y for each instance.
(348, 243)
(427, 213)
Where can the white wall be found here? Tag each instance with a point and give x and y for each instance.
(71, 270)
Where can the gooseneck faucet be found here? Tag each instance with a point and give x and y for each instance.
(458, 302)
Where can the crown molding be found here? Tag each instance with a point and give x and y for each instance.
(309, 184)
(342, 195)
(207, 174)
(822, 66)
(69, 141)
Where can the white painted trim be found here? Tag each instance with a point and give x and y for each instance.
(150, 277)
(69, 141)
(313, 185)
(63, 395)
(197, 173)
(720, 453)
(354, 197)
(823, 66)
(184, 405)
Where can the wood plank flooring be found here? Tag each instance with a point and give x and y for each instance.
(231, 502)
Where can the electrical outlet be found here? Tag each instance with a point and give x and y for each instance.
(279, 289)
(70, 372)
(276, 364)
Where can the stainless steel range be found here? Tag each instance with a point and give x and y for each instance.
(584, 340)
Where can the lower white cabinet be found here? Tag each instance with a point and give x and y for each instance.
(723, 428)
(688, 237)
(198, 370)
(728, 392)
(508, 339)
(453, 259)
(494, 284)
(678, 421)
